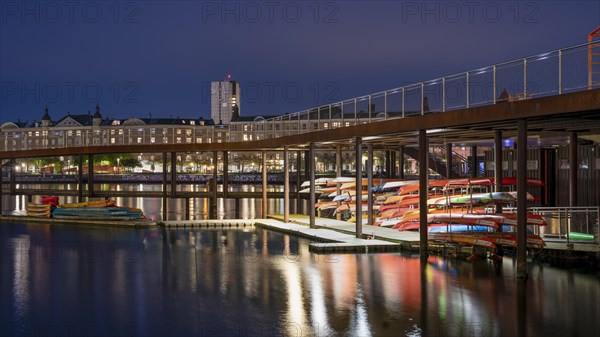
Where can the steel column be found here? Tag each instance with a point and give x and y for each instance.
(573, 169)
(522, 198)
(173, 174)
(225, 174)
(358, 187)
(286, 184)
(423, 192)
(338, 171)
(311, 178)
(90, 175)
(369, 169)
(401, 162)
(164, 186)
(80, 179)
(265, 208)
(448, 160)
(213, 187)
(498, 168)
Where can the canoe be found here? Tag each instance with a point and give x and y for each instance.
(510, 239)
(469, 239)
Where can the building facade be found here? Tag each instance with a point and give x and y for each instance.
(225, 99)
(92, 129)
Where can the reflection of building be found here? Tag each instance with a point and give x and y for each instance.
(224, 101)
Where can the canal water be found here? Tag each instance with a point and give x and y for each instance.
(60, 280)
(199, 208)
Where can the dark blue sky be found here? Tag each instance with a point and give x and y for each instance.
(158, 57)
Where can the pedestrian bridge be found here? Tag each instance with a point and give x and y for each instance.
(556, 91)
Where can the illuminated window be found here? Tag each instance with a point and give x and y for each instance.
(199, 140)
(113, 141)
(139, 140)
(152, 140)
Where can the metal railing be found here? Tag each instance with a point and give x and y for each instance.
(563, 221)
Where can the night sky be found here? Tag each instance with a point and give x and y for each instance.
(137, 58)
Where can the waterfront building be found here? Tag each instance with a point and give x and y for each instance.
(89, 129)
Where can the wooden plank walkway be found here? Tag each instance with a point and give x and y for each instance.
(330, 240)
(373, 236)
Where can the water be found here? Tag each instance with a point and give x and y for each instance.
(245, 208)
(78, 281)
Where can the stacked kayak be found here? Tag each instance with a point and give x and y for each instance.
(97, 213)
(39, 210)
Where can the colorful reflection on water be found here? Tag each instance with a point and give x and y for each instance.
(65, 280)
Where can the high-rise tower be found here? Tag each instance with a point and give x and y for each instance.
(224, 100)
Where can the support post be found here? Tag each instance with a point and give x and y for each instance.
(286, 184)
(369, 169)
(448, 160)
(522, 198)
(498, 168)
(388, 162)
(338, 172)
(173, 174)
(187, 209)
(311, 178)
(225, 174)
(401, 162)
(1, 185)
(12, 179)
(80, 179)
(164, 186)
(265, 208)
(423, 192)
(213, 187)
(573, 169)
(358, 187)
(474, 167)
(90, 176)
(307, 165)
(298, 181)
